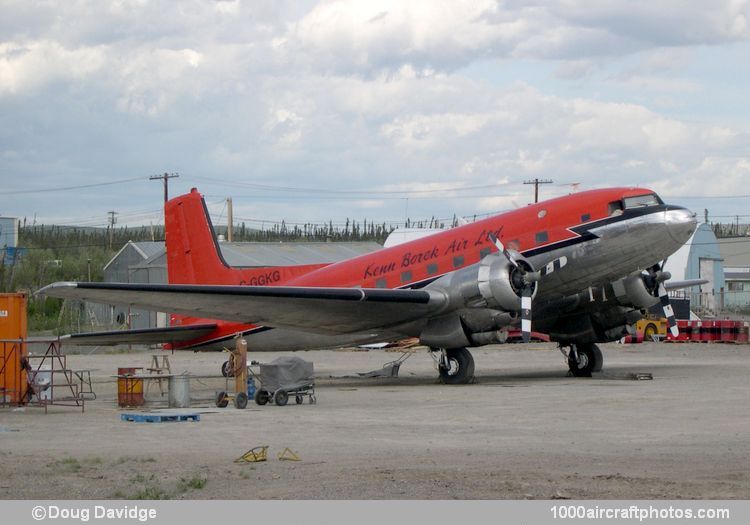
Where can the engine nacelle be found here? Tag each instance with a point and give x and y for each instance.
(493, 283)
(633, 290)
(482, 299)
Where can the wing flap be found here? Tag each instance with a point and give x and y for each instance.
(170, 334)
(319, 310)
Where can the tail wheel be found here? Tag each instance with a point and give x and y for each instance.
(587, 358)
(456, 367)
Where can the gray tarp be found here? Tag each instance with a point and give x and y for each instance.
(286, 372)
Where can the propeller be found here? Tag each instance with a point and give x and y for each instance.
(658, 276)
(526, 278)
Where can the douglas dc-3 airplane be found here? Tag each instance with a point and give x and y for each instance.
(579, 268)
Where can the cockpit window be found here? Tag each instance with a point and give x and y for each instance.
(641, 201)
(614, 208)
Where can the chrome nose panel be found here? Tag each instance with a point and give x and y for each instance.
(680, 223)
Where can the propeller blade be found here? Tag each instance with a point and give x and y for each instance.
(668, 311)
(501, 247)
(526, 313)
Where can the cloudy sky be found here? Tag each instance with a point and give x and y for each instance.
(310, 111)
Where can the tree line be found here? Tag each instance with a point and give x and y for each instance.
(49, 253)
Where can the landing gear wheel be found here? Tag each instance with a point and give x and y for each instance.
(649, 332)
(240, 400)
(222, 400)
(587, 358)
(281, 398)
(261, 397)
(227, 369)
(299, 399)
(456, 367)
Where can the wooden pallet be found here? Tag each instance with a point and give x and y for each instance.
(159, 418)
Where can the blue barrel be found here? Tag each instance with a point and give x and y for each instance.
(250, 388)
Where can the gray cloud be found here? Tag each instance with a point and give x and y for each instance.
(351, 95)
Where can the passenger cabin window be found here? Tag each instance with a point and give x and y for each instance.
(484, 252)
(381, 283)
(458, 261)
(541, 237)
(586, 217)
(432, 269)
(406, 276)
(641, 201)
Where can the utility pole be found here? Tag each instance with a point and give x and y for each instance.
(536, 183)
(165, 177)
(230, 225)
(112, 222)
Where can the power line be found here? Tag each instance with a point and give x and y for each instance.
(367, 191)
(65, 188)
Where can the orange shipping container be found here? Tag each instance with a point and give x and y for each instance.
(13, 332)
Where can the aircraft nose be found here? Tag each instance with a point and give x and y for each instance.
(681, 224)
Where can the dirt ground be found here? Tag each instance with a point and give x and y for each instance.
(523, 430)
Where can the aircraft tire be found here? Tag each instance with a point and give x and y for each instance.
(590, 359)
(461, 367)
(598, 359)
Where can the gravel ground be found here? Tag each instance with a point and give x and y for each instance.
(523, 430)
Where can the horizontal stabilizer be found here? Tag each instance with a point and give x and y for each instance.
(170, 334)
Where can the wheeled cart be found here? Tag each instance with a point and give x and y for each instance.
(239, 373)
(285, 377)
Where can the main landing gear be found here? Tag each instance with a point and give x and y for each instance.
(583, 358)
(455, 365)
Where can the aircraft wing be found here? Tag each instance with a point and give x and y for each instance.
(169, 334)
(676, 285)
(318, 310)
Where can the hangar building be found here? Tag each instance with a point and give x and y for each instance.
(736, 254)
(700, 258)
(146, 262)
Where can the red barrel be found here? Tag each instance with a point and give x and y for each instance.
(684, 330)
(695, 331)
(707, 329)
(727, 332)
(742, 332)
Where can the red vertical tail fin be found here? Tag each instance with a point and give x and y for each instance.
(194, 256)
